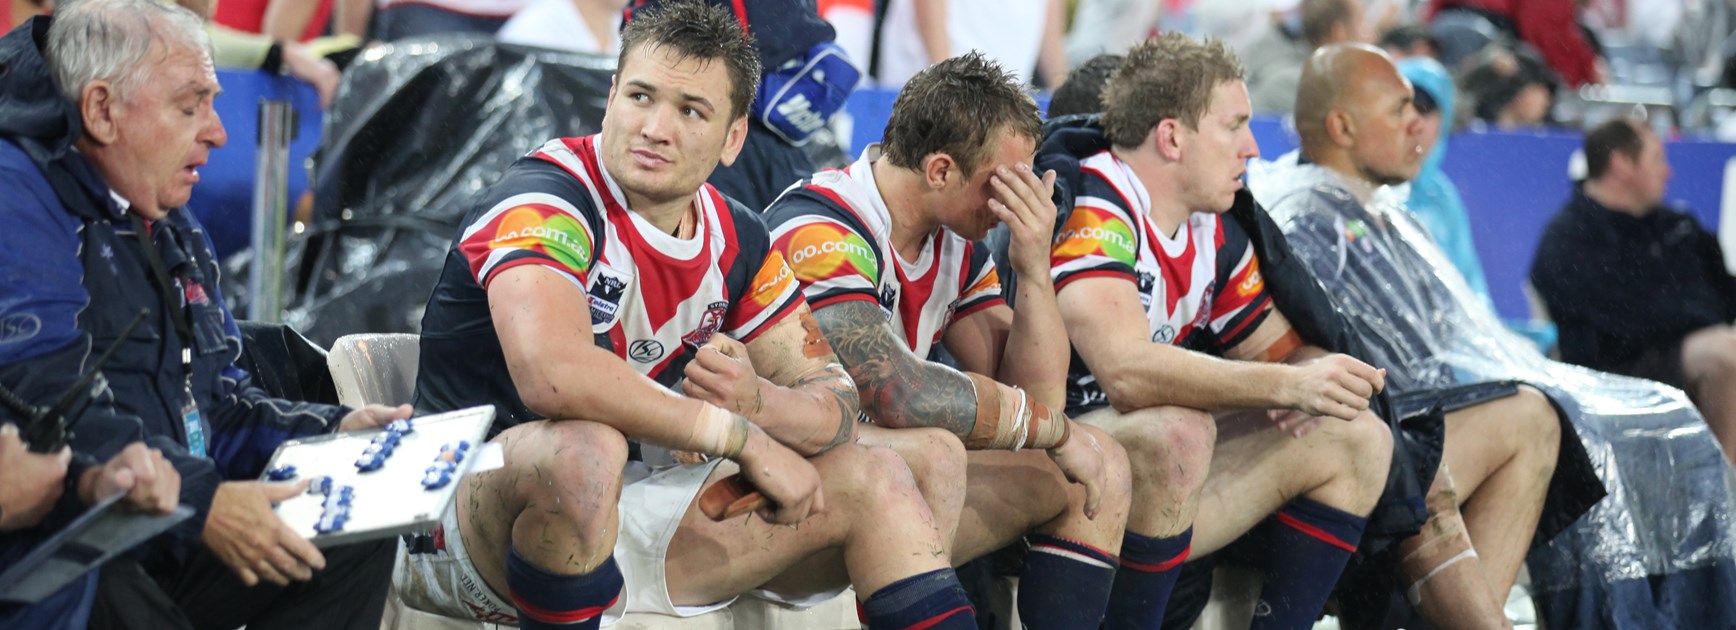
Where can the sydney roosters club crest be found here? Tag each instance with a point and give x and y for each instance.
(709, 324)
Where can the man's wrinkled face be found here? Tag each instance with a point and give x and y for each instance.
(965, 210)
(1389, 148)
(166, 127)
(668, 123)
(1215, 155)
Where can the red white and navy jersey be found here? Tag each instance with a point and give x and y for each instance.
(654, 299)
(835, 231)
(1201, 288)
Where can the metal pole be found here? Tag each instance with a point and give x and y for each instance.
(270, 210)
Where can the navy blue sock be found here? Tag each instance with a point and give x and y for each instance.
(1310, 544)
(1065, 584)
(552, 600)
(929, 601)
(1149, 568)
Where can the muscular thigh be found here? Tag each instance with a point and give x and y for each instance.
(711, 560)
(1008, 494)
(1258, 468)
(1482, 437)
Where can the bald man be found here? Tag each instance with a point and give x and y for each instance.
(1178, 348)
(1360, 133)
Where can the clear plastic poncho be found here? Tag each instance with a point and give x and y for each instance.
(1667, 516)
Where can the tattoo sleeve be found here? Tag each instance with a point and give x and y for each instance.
(898, 389)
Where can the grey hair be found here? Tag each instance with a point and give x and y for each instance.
(108, 40)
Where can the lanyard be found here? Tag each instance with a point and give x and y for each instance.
(166, 288)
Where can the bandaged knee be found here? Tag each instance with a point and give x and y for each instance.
(1443, 542)
(1008, 419)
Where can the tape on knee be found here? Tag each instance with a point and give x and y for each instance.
(1008, 419)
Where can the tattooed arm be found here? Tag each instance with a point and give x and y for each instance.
(786, 381)
(898, 388)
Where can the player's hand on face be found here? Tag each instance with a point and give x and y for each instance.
(1024, 202)
(147, 479)
(1334, 385)
(1081, 460)
(373, 417)
(788, 481)
(30, 483)
(245, 534)
(722, 374)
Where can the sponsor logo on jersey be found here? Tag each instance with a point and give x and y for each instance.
(645, 350)
(19, 327)
(709, 324)
(1147, 284)
(888, 298)
(1251, 282)
(772, 281)
(990, 281)
(542, 228)
(1094, 231)
(820, 251)
(1164, 335)
(605, 295)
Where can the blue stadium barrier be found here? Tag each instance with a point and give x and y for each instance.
(223, 200)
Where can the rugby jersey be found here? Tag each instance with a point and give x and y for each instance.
(1201, 289)
(835, 231)
(653, 299)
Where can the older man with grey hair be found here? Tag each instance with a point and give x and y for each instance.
(105, 118)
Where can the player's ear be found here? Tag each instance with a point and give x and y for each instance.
(1167, 137)
(737, 138)
(937, 167)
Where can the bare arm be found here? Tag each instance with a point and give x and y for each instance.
(350, 17)
(1052, 53)
(561, 373)
(898, 389)
(1107, 326)
(786, 380)
(1028, 347)
(931, 26)
(285, 20)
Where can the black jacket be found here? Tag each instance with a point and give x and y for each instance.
(1617, 285)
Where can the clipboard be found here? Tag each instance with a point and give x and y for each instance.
(95, 537)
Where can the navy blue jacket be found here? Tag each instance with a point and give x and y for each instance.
(73, 274)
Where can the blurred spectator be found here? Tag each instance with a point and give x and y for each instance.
(253, 51)
(399, 19)
(1110, 26)
(806, 80)
(19, 11)
(853, 21)
(587, 26)
(1508, 89)
(1082, 92)
(1550, 26)
(1433, 197)
(1025, 36)
(1410, 40)
(283, 20)
(1636, 287)
(1274, 61)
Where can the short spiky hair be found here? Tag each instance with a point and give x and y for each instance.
(952, 106)
(1167, 77)
(702, 32)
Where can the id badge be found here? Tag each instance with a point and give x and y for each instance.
(195, 426)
